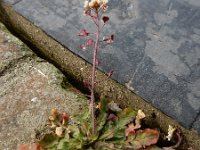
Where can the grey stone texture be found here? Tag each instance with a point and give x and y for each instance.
(30, 88)
(196, 124)
(156, 52)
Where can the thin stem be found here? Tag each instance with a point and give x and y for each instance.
(94, 76)
(94, 20)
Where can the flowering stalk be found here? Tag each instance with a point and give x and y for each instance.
(94, 9)
(92, 101)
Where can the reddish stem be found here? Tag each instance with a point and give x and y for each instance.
(94, 76)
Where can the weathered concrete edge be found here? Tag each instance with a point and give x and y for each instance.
(77, 70)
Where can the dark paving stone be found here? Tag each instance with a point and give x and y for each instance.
(156, 51)
(196, 124)
(13, 2)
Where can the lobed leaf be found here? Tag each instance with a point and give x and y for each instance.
(144, 138)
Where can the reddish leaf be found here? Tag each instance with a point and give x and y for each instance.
(130, 130)
(105, 19)
(36, 146)
(89, 42)
(33, 146)
(145, 138)
(109, 40)
(65, 118)
(23, 147)
(112, 118)
(83, 32)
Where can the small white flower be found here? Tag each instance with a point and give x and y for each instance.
(170, 132)
(140, 114)
(86, 4)
(95, 4)
(105, 1)
(92, 3)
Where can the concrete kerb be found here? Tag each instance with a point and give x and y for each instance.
(77, 69)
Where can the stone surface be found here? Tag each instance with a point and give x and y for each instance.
(156, 51)
(196, 124)
(30, 88)
(13, 2)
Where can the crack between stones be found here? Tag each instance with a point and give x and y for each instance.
(12, 65)
(16, 2)
(195, 119)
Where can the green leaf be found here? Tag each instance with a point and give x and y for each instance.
(125, 117)
(83, 116)
(49, 140)
(75, 144)
(85, 128)
(144, 138)
(108, 134)
(74, 130)
(116, 129)
(119, 134)
(103, 105)
(101, 120)
(63, 144)
(83, 120)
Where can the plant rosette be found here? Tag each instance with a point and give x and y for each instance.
(117, 129)
(105, 126)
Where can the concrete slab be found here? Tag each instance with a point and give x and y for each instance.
(30, 88)
(156, 51)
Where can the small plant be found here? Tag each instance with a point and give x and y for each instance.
(95, 9)
(117, 129)
(104, 126)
